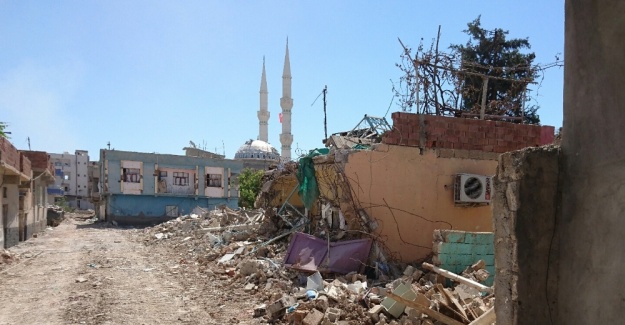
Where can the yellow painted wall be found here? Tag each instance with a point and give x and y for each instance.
(416, 187)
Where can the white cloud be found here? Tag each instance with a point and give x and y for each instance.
(34, 101)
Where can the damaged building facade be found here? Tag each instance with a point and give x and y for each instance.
(35, 193)
(24, 177)
(149, 187)
(72, 180)
(428, 173)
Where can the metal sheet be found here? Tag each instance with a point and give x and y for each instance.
(308, 253)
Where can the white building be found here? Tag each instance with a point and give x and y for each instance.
(72, 177)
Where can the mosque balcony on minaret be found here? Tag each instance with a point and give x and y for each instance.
(286, 139)
(286, 103)
(263, 116)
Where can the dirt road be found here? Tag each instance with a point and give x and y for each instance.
(84, 273)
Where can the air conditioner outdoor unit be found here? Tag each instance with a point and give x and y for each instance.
(470, 188)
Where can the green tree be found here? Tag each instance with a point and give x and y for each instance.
(489, 54)
(3, 134)
(249, 186)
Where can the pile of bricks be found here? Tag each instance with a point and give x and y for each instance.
(430, 131)
(456, 250)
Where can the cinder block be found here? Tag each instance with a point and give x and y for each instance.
(313, 318)
(480, 238)
(453, 236)
(489, 259)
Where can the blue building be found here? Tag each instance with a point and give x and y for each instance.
(140, 187)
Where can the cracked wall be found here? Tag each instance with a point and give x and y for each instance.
(524, 214)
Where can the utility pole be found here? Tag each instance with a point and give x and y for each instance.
(325, 117)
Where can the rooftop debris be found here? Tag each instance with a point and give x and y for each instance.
(294, 281)
(366, 133)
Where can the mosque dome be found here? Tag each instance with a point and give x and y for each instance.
(257, 149)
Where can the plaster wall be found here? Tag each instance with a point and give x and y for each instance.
(12, 218)
(39, 205)
(591, 287)
(137, 208)
(214, 191)
(410, 194)
(28, 214)
(150, 202)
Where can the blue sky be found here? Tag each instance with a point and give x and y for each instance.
(150, 76)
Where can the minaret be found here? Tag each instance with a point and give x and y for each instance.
(263, 113)
(286, 102)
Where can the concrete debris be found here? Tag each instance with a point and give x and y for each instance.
(55, 215)
(238, 250)
(6, 257)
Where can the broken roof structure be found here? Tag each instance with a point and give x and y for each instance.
(367, 132)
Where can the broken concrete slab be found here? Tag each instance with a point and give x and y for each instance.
(313, 318)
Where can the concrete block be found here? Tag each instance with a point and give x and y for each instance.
(480, 238)
(313, 318)
(297, 317)
(395, 308)
(489, 259)
(333, 314)
(374, 312)
(478, 249)
(452, 236)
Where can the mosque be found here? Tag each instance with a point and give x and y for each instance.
(259, 154)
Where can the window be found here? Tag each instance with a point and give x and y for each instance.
(181, 179)
(132, 175)
(162, 174)
(58, 163)
(213, 180)
(4, 193)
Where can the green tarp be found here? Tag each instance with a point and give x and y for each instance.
(308, 187)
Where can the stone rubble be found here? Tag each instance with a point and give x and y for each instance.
(229, 245)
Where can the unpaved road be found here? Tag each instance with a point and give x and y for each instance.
(83, 273)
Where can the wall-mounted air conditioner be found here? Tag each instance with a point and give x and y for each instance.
(470, 188)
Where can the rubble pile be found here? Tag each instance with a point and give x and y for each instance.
(6, 257)
(55, 215)
(228, 250)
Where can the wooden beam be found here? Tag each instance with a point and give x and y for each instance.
(456, 277)
(453, 302)
(487, 318)
(431, 313)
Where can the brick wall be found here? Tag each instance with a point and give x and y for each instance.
(9, 154)
(40, 160)
(26, 166)
(456, 250)
(431, 131)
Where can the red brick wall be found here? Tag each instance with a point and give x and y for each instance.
(9, 154)
(39, 160)
(25, 165)
(464, 133)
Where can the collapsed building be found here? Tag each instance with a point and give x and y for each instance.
(427, 173)
(368, 230)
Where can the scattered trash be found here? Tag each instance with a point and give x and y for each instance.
(317, 278)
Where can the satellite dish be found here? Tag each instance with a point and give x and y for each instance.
(192, 144)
